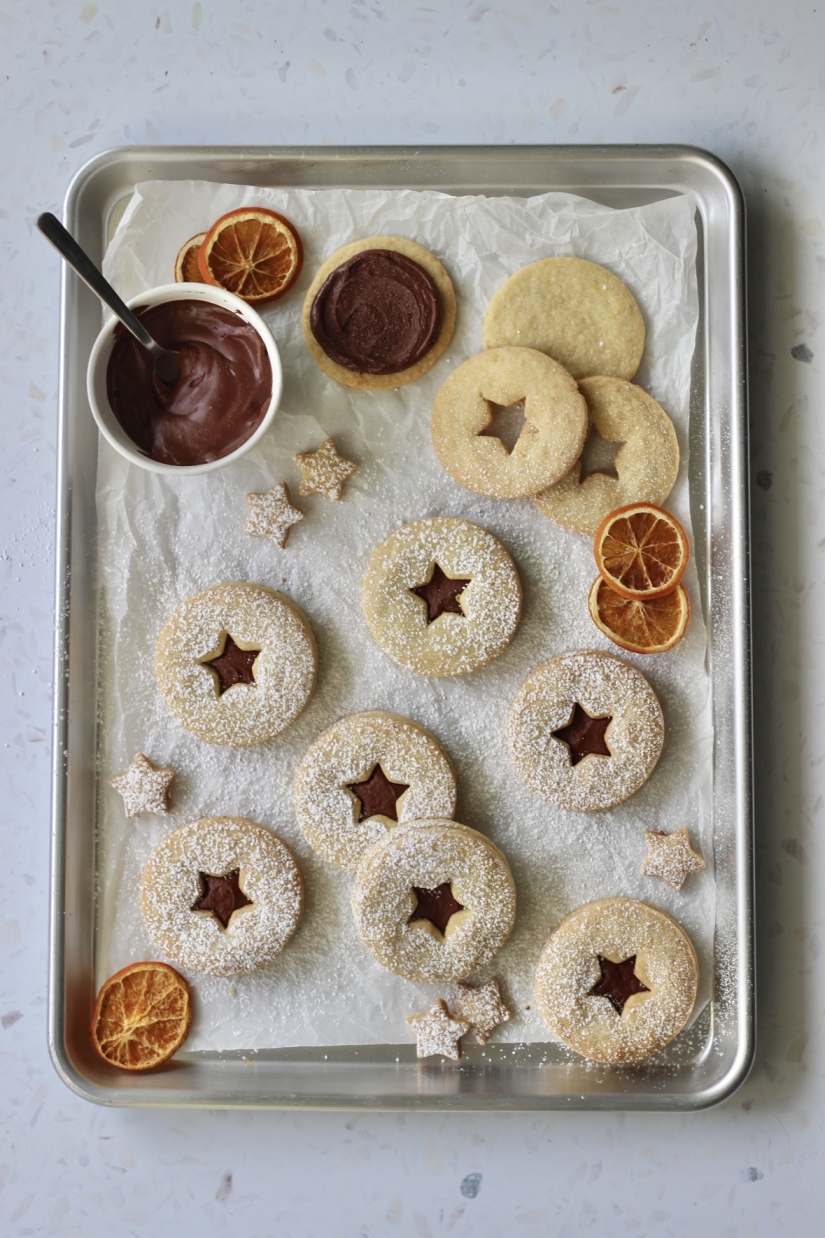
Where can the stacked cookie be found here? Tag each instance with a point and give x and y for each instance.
(563, 338)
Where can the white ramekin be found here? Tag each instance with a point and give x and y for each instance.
(109, 425)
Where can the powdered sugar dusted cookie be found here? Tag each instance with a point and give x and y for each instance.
(362, 777)
(441, 596)
(433, 901)
(236, 663)
(221, 895)
(555, 422)
(577, 312)
(646, 463)
(617, 980)
(585, 730)
(379, 313)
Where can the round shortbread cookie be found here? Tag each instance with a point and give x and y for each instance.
(433, 866)
(577, 312)
(446, 296)
(651, 997)
(473, 600)
(245, 876)
(201, 650)
(559, 752)
(555, 423)
(646, 463)
(364, 776)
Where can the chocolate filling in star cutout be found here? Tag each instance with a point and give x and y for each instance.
(232, 665)
(618, 982)
(436, 905)
(441, 593)
(221, 895)
(377, 795)
(584, 736)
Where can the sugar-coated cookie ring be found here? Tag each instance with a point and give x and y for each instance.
(474, 623)
(577, 312)
(362, 765)
(647, 463)
(248, 617)
(436, 858)
(662, 981)
(554, 427)
(264, 889)
(558, 701)
(446, 295)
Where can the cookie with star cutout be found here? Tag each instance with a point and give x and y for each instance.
(236, 664)
(585, 730)
(222, 896)
(441, 596)
(465, 430)
(617, 980)
(433, 901)
(362, 777)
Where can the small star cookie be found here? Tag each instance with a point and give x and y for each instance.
(144, 787)
(436, 1032)
(482, 1007)
(671, 857)
(324, 471)
(272, 514)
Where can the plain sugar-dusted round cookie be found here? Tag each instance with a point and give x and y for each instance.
(555, 422)
(221, 895)
(379, 313)
(585, 730)
(617, 980)
(433, 901)
(236, 664)
(441, 596)
(576, 311)
(364, 776)
(646, 463)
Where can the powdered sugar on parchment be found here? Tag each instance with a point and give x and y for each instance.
(162, 541)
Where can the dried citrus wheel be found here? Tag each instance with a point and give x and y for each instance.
(187, 270)
(652, 626)
(142, 1016)
(641, 551)
(252, 252)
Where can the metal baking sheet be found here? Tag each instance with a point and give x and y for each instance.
(714, 1056)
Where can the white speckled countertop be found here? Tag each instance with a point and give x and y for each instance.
(744, 81)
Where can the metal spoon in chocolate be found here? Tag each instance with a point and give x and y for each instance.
(164, 360)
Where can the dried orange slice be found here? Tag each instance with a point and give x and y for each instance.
(187, 270)
(253, 252)
(653, 626)
(641, 551)
(142, 1016)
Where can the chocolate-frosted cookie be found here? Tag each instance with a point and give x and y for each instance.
(585, 730)
(555, 422)
(441, 596)
(365, 775)
(379, 313)
(433, 901)
(221, 895)
(617, 980)
(236, 664)
(576, 311)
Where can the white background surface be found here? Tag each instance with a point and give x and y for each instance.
(744, 80)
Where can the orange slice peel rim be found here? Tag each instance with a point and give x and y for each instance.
(253, 252)
(651, 626)
(641, 551)
(142, 1016)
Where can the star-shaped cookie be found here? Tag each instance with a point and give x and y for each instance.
(272, 514)
(144, 787)
(482, 1007)
(436, 1032)
(324, 471)
(671, 857)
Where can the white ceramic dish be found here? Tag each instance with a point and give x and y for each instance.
(110, 427)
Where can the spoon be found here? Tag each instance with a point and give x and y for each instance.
(164, 360)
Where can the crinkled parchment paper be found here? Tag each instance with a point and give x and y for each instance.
(162, 540)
